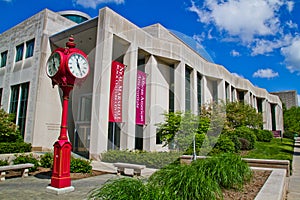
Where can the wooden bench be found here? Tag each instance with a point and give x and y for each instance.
(137, 169)
(23, 167)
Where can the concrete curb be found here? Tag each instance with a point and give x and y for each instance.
(275, 187)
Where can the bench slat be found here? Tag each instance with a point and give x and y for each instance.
(15, 167)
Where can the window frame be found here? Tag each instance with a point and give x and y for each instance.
(3, 61)
(30, 48)
(19, 56)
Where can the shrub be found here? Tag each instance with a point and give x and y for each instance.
(246, 133)
(263, 135)
(46, 160)
(228, 170)
(244, 144)
(8, 129)
(3, 162)
(15, 147)
(184, 182)
(237, 143)
(21, 159)
(121, 189)
(150, 159)
(223, 145)
(199, 138)
(80, 166)
(289, 134)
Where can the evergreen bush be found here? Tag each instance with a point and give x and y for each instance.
(246, 133)
(3, 162)
(263, 135)
(22, 159)
(14, 147)
(80, 166)
(46, 160)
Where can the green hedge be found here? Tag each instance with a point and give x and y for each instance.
(150, 159)
(22, 159)
(14, 147)
(263, 135)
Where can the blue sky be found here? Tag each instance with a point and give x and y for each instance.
(255, 39)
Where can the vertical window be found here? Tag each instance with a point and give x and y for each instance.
(199, 78)
(215, 91)
(259, 105)
(241, 96)
(187, 88)
(1, 89)
(273, 114)
(85, 108)
(139, 137)
(114, 132)
(29, 48)
(18, 104)
(227, 91)
(3, 58)
(171, 89)
(19, 52)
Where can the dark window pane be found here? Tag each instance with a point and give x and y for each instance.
(29, 48)
(19, 52)
(3, 59)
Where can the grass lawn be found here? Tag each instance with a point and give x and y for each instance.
(276, 149)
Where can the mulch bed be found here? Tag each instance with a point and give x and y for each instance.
(250, 189)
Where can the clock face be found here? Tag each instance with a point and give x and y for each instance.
(53, 64)
(78, 65)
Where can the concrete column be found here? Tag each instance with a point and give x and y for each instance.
(207, 98)
(129, 98)
(101, 90)
(179, 81)
(221, 91)
(150, 130)
(194, 100)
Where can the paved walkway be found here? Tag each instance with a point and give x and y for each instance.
(294, 180)
(34, 188)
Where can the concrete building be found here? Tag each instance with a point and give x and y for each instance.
(176, 78)
(289, 98)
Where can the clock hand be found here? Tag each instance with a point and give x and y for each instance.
(78, 66)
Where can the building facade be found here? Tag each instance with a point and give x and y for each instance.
(289, 98)
(136, 75)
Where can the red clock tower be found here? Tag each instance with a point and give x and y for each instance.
(66, 67)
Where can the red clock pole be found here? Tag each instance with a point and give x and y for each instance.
(62, 148)
(65, 71)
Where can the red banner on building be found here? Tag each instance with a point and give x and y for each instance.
(140, 98)
(116, 91)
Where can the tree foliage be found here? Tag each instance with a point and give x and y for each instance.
(240, 114)
(292, 119)
(8, 129)
(179, 128)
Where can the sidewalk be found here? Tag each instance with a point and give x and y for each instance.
(34, 188)
(294, 180)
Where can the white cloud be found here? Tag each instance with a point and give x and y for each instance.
(292, 55)
(265, 73)
(94, 3)
(290, 5)
(235, 53)
(237, 75)
(7, 0)
(241, 18)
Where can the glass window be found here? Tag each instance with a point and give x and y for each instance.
(29, 48)
(3, 58)
(85, 108)
(1, 90)
(199, 78)
(19, 52)
(18, 104)
(187, 89)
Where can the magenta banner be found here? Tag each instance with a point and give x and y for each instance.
(116, 91)
(140, 98)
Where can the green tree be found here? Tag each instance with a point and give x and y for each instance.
(178, 129)
(292, 119)
(240, 114)
(8, 129)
